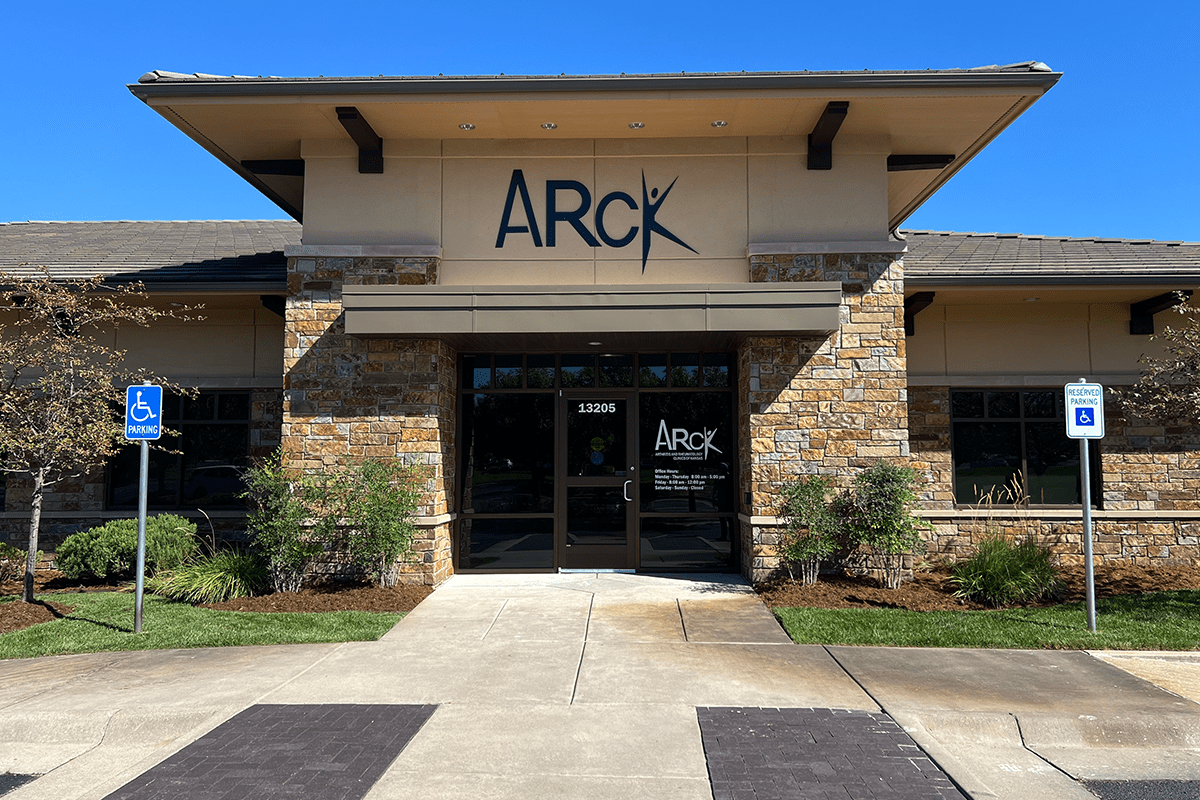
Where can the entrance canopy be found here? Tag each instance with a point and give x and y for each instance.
(929, 123)
(485, 317)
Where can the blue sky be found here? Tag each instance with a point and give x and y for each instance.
(1112, 151)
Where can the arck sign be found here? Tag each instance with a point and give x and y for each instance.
(652, 201)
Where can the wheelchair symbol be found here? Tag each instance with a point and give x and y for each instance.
(1083, 416)
(139, 405)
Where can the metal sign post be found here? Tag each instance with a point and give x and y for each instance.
(143, 422)
(1085, 420)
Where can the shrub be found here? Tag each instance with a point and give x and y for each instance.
(811, 527)
(213, 579)
(12, 562)
(379, 510)
(280, 504)
(1003, 572)
(879, 513)
(110, 550)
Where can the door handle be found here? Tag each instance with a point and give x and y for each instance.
(625, 491)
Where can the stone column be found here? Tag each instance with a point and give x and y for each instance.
(348, 398)
(820, 405)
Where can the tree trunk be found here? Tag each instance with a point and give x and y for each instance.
(35, 522)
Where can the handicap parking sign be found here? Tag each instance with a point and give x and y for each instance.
(1085, 410)
(143, 412)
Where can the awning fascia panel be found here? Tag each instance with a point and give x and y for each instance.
(810, 308)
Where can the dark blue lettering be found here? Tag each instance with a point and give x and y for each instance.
(515, 185)
(602, 231)
(554, 216)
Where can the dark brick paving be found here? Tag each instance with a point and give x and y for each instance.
(784, 753)
(1144, 790)
(11, 780)
(331, 752)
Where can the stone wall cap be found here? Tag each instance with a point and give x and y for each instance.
(363, 251)
(888, 246)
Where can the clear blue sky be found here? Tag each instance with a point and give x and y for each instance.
(1111, 151)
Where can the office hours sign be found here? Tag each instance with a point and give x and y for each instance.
(687, 452)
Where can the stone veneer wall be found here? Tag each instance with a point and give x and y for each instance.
(828, 406)
(348, 398)
(1150, 481)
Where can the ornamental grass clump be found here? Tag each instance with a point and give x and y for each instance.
(811, 527)
(213, 579)
(1006, 572)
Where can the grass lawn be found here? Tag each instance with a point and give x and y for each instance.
(1157, 621)
(103, 621)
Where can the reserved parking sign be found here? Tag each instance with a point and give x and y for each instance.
(1085, 410)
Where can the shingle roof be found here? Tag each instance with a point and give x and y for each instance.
(244, 252)
(241, 252)
(936, 257)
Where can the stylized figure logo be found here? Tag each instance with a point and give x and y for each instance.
(650, 225)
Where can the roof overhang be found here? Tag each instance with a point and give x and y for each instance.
(926, 114)
(573, 316)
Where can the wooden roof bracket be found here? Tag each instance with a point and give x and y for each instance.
(370, 146)
(1141, 314)
(914, 304)
(820, 141)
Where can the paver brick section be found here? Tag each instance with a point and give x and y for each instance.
(331, 752)
(784, 753)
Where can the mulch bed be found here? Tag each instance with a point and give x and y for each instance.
(327, 597)
(932, 591)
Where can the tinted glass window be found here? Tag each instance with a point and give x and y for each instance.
(686, 451)
(509, 453)
(652, 370)
(578, 371)
(687, 543)
(498, 543)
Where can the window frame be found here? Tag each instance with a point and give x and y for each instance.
(177, 425)
(1094, 460)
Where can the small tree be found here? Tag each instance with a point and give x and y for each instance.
(880, 515)
(281, 525)
(60, 384)
(811, 526)
(1170, 384)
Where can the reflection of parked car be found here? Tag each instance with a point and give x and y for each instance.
(215, 484)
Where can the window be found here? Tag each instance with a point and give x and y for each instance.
(1005, 438)
(213, 439)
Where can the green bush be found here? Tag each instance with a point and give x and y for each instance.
(379, 508)
(879, 513)
(811, 527)
(213, 579)
(281, 503)
(12, 562)
(110, 551)
(1003, 572)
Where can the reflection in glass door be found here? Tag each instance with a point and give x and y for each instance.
(600, 481)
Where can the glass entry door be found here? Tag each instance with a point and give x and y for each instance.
(600, 483)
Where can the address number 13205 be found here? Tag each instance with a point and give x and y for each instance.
(597, 408)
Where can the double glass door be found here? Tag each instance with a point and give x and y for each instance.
(600, 482)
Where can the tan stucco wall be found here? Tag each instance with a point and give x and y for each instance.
(728, 193)
(1028, 343)
(239, 343)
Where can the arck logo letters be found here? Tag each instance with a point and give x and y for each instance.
(675, 439)
(651, 203)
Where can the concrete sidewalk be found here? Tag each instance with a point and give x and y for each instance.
(588, 685)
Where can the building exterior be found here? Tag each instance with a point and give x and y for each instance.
(610, 316)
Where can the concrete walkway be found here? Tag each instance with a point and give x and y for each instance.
(588, 685)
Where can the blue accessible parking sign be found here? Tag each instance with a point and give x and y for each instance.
(143, 412)
(1085, 410)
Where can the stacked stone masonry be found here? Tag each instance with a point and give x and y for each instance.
(347, 398)
(821, 405)
(1150, 479)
